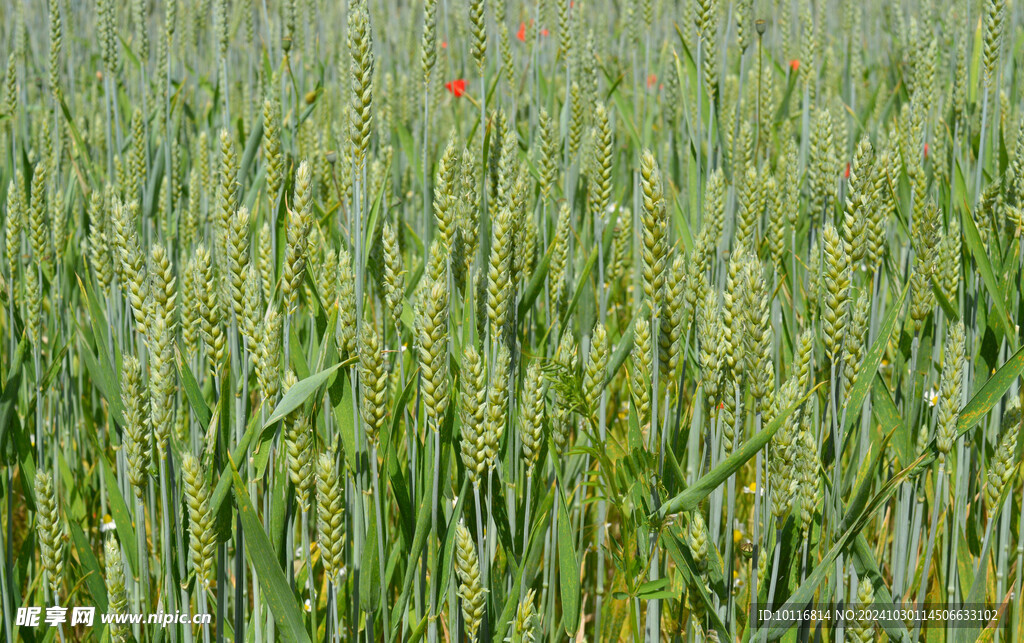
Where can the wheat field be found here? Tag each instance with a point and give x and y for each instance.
(511, 320)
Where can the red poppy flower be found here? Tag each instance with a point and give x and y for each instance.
(544, 32)
(456, 87)
(521, 34)
(794, 64)
(444, 44)
(651, 80)
(926, 150)
(846, 174)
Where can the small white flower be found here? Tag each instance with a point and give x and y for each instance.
(307, 606)
(107, 524)
(931, 396)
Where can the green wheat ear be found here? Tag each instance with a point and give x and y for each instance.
(114, 580)
(268, 356)
(432, 322)
(596, 368)
(330, 517)
(499, 268)
(1001, 469)
(497, 405)
(863, 630)
(473, 408)
(836, 280)
(526, 622)
(298, 441)
(949, 388)
(642, 361)
(697, 539)
(471, 589)
(373, 382)
(202, 537)
(531, 425)
(51, 534)
(137, 439)
(654, 228)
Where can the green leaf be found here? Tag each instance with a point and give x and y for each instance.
(343, 407)
(369, 572)
(93, 576)
(192, 392)
(11, 386)
(298, 394)
(684, 562)
(122, 519)
(536, 284)
(620, 354)
(991, 392)
(276, 591)
(418, 540)
(220, 492)
(864, 562)
(449, 539)
(889, 416)
(392, 463)
(987, 275)
(375, 212)
(867, 370)
(976, 593)
(581, 285)
(650, 588)
(103, 376)
(569, 570)
(80, 146)
(693, 495)
(866, 478)
(252, 147)
(805, 593)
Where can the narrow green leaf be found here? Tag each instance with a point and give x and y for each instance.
(536, 284)
(805, 593)
(693, 495)
(448, 552)
(276, 591)
(106, 382)
(569, 570)
(299, 393)
(864, 562)
(991, 392)
(988, 277)
(418, 540)
(872, 359)
(220, 492)
(252, 146)
(122, 519)
(93, 577)
(889, 417)
(191, 389)
(369, 574)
